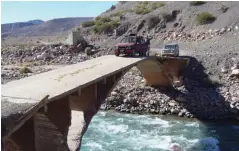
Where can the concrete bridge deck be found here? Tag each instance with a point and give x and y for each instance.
(21, 99)
(32, 92)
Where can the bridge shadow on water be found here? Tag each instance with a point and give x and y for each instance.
(201, 97)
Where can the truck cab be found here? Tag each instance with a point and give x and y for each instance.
(170, 50)
(132, 45)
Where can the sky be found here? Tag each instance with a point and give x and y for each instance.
(19, 11)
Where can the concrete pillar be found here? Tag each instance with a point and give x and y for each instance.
(84, 105)
(51, 126)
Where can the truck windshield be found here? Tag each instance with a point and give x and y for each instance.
(128, 40)
(169, 47)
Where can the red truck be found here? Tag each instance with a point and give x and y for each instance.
(132, 45)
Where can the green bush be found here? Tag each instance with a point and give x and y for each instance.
(115, 23)
(105, 27)
(88, 51)
(153, 21)
(25, 69)
(142, 8)
(205, 18)
(105, 19)
(145, 3)
(78, 29)
(88, 23)
(122, 2)
(167, 17)
(224, 8)
(104, 24)
(129, 10)
(197, 3)
(98, 18)
(117, 13)
(208, 82)
(156, 5)
(102, 20)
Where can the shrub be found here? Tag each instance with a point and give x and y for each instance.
(145, 3)
(104, 24)
(78, 29)
(105, 19)
(25, 69)
(98, 18)
(117, 14)
(106, 27)
(141, 8)
(152, 21)
(224, 8)
(141, 25)
(88, 23)
(205, 18)
(208, 82)
(88, 51)
(156, 5)
(167, 17)
(197, 3)
(129, 10)
(122, 2)
(102, 20)
(115, 23)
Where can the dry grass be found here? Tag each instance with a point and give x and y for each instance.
(205, 18)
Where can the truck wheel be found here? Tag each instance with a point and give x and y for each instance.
(133, 54)
(117, 54)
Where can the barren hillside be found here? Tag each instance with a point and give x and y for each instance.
(48, 28)
(14, 26)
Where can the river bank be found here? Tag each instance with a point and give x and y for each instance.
(196, 99)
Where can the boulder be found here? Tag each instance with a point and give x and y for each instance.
(236, 27)
(223, 70)
(235, 72)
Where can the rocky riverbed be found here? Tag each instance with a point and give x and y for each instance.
(46, 55)
(191, 100)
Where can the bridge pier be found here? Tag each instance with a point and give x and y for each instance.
(51, 127)
(84, 105)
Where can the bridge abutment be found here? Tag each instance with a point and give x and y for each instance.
(163, 72)
(84, 105)
(51, 126)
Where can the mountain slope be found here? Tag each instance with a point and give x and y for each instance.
(14, 26)
(225, 13)
(48, 28)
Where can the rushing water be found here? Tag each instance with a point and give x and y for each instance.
(111, 131)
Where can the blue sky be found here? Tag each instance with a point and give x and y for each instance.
(18, 11)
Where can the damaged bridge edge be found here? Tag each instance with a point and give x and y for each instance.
(23, 119)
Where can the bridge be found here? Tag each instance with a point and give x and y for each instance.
(52, 110)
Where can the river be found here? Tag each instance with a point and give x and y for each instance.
(112, 131)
